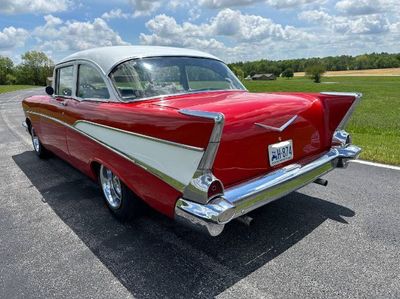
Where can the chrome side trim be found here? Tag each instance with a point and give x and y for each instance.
(243, 198)
(197, 190)
(346, 118)
(280, 129)
(167, 179)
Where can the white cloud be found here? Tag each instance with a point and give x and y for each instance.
(34, 6)
(115, 14)
(361, 7)
(245, 31)
(364, 24)
(11, 38)
(274, 3)
(67, 36)
(144, 7)
(290, 3)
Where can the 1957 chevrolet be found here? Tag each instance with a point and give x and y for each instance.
(176, 129)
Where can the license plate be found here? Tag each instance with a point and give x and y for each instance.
(280, 152)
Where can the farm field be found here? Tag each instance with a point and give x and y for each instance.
(372, 72)
(9, 88)
(375, 125)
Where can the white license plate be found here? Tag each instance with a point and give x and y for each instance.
(280, 152)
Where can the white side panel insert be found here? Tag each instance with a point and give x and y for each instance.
(174, 161)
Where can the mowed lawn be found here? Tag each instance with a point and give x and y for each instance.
(375, 125)
(9, 88)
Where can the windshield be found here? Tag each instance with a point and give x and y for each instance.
(151, 77)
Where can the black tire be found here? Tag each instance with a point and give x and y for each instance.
(38, 147)
(129, 207)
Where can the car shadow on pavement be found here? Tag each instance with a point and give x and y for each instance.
(155, 257)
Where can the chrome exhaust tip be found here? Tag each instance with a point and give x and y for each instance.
(321, 182)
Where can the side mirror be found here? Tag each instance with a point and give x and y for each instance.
(49, 90)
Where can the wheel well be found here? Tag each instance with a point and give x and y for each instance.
(29, 124)
(95, 166)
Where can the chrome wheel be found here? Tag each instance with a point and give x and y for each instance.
(111, 186)
(35, 141)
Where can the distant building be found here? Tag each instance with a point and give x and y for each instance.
(263, 77)
(248, 77)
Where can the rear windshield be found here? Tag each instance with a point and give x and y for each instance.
(151, 77)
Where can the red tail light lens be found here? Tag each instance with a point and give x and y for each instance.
(215, 189)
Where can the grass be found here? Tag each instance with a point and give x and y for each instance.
(375, 125)
(9, 88)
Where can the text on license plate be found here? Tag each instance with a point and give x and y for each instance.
(280, 152)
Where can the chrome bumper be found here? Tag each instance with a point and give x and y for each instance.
(250, 195)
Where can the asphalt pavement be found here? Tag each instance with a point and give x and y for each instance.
(57, 238)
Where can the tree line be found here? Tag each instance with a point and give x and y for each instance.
(330, 63)
(34, 69)
(35, 66)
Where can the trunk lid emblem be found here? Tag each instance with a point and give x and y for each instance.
(281, 128)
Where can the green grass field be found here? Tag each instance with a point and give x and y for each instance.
(8, 88)
(375, 125)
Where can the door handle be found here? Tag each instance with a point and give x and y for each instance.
(64, 103)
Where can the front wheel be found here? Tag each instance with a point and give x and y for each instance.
(122, 202)
(37, 145)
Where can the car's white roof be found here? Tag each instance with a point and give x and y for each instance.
(107, 57)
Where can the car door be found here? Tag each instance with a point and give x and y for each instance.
(53, 124)
(92, 91)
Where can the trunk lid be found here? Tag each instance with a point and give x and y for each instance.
(253, 121)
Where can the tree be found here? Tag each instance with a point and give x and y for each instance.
(34, 69)
(238, 72)
(315, 72)
(287, 73)
(6, 67)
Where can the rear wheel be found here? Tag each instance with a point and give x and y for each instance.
(122, 202)
(37, 145)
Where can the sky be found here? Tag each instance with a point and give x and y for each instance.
(233, 30)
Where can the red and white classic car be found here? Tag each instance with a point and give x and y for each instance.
(176, 129)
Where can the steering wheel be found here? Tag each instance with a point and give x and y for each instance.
(86, 90)
(87, 86)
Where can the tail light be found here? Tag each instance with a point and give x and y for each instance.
(215, 189)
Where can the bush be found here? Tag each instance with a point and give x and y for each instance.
(315, 72)
(287, 73)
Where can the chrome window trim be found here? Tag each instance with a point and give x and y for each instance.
(164, 96)
(106, 82)
(113, 96)
(55, 79)
(164, 177)
(167, 95)
(349, 112)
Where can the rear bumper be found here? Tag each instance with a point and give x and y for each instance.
(250, 195)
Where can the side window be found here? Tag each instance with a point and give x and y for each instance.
(90, 84)
(65, 77)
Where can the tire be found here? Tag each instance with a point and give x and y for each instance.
(121, 201)
(38, 147)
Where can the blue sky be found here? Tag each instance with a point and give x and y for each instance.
(230, 29)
